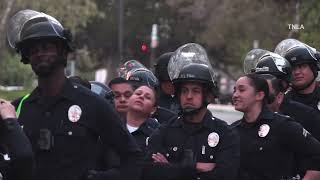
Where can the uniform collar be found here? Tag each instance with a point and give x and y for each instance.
(265, 114)
(67, 92)
(146, 127)
(204, 123)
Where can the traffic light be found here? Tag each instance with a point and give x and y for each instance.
(144, 48)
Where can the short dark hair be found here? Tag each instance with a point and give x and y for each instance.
(275, 82)
(119, 80)
(259, 84)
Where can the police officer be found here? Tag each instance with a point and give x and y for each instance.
(195, 145)
(305, 67)
(142, 76)
(142, 104)
(122, 91)
(274, 64)
(64, 122)
(269, 141)
(17, 160)
(166, 97)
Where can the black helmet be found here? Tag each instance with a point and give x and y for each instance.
(35, 27)
(101, 90)
(191, 63)
(301, 55)
(197, 73)
(272, 63)
(161, 67)
(297, 52)
(128, 66)
(142, 76)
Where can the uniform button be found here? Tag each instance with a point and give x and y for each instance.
(261, 148)
(175, 148)
(75, 86)
(70, 133)
(167, 154)
(198, 178)
(211, 157)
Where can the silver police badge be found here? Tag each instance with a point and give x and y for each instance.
(74, 113)
(264, 130)
(213, 139)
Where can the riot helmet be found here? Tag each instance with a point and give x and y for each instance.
(251, 59)
(297, 53)
(190, 63)
(142, 76)
(274, 64)
(161, 66)
(28, 25)
(128, 66)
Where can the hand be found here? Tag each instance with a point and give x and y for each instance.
(7, 110)
(158, 157)
(205, 167)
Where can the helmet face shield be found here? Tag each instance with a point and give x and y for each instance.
(285, 45)
(142, 76)
(129, 66)
(274, 64)
(297, 52)
(29, 24)
(251, 59)
(185, 55)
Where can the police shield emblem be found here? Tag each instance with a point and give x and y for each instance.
(74, 113)
(264, 130)
(213, 139)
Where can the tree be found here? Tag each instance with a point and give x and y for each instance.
(310, 19)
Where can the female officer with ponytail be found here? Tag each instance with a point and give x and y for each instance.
(270, 142)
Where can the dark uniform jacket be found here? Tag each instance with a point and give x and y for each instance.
(64, 132)
(184, 144)
(142, 134)
(164, 115)
(312, 99)
(268, 147)
(307, 116)
(19, 161)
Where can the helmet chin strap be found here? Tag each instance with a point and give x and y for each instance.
(191, 111)
(303, 87)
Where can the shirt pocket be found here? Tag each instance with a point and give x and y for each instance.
(207, 154)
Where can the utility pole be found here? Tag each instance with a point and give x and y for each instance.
(120, 30)
(153, 44)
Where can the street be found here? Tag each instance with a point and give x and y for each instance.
(225, 112)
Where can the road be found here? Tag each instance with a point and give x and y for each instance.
(225, 112)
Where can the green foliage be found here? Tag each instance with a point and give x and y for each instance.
(73, 14)
(226, 28)
(15, 73)
(12, 95)
(310, 20)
